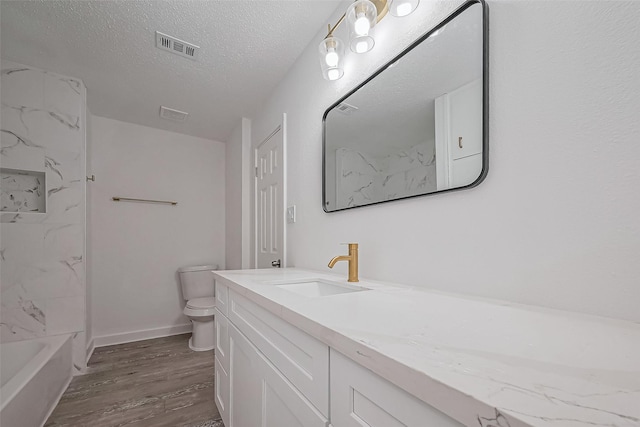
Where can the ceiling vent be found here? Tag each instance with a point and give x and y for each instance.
(174, 115)
(345, 108)
(177, 46)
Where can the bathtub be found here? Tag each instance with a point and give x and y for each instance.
(34, 374)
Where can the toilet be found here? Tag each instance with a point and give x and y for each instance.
(198, 289)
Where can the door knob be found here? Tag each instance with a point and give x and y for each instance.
(275, 263)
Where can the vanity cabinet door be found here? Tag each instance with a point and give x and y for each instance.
(221, 367)
(360, 398)
(222, 391)
(302, 359)
(221, 325)
(260, 394)
(222, 297)
(245, 382)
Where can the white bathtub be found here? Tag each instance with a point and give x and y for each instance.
(34, 374)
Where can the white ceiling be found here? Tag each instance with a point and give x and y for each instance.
(246, 49)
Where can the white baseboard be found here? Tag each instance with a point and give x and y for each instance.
(145, 334)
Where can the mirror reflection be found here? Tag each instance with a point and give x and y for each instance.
(416, 127)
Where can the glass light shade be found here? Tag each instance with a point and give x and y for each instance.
(362, 16)
(401, 8)
(331, 52)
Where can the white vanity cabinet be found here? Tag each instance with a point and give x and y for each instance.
(268, 373)
(360, 398)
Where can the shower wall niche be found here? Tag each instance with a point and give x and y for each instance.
(22, 191)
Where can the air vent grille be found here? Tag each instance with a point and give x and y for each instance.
(345, 108)
(171, 114)
(174, 45)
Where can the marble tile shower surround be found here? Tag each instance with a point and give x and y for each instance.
(42, 254)
(364, 179)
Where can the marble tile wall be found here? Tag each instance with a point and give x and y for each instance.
(356, 176)
(408, 172)
(42, 254)
(364, 179)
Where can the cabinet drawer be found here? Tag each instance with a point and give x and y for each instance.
(302, 359)
(261, 395)
(222, 297)
(222, 338)
(361, 398)
(222, 391)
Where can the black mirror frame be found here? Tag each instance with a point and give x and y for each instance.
(485, 104)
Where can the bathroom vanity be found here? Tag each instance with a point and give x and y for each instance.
(304, 348)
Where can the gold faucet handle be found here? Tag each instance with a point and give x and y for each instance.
(353, 247)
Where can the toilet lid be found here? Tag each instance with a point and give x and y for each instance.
(208, 302)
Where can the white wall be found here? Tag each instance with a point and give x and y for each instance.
(237, 196)
(137, 247)
(556, 221)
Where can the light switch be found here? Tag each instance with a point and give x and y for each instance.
(291, 214)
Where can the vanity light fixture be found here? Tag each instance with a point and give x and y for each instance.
(331, 56)
(361, 16)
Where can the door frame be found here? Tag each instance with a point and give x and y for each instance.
(281, 126)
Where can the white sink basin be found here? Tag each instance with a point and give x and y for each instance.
(320, 288)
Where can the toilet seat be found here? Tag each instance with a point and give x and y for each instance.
(200, 307)
(201, 303)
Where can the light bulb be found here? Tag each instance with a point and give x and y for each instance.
(332, 58)
(362, 25)
(362, 47)
(403, 9)
(333, 74)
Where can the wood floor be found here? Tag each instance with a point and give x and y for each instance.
(153, 383)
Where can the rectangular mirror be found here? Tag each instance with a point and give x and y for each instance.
(418, 125)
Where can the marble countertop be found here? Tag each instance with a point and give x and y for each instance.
(482, 362)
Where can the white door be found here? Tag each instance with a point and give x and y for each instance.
(459, 136)
(270, 220)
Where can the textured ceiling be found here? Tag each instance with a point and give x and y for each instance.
(246, 49)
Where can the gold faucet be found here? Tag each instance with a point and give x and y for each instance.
(353, 262)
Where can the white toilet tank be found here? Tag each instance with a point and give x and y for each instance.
(197, 281)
